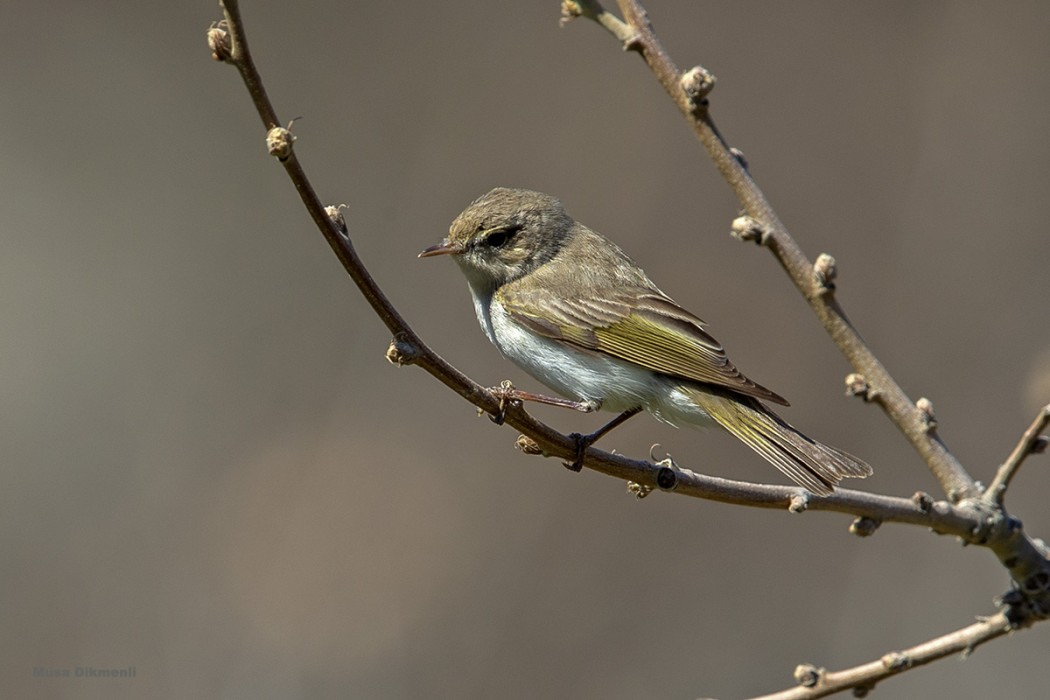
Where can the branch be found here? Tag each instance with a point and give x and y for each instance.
(689, 92)
(973, 520)
(817, 682)
(1032, 442)
(229, 44)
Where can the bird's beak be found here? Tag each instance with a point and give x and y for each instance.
(445, 247)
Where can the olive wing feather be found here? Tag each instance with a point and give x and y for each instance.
(648, 329)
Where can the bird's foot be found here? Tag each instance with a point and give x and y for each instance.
(585, 441)
(506, 394)
(582, 443)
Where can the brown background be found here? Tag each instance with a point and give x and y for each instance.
(210, 473)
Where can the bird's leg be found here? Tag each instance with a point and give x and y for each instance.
(506, 393)
(585, 441)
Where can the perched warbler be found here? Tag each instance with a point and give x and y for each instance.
(574, 311)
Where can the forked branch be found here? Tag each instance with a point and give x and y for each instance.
(1026, 559)
(966, 514)
(1032, 442)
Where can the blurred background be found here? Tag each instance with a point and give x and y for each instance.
(211, 474)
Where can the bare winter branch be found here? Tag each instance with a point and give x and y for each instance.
(767, 227)
(818, 683)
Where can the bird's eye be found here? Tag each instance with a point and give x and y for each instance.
(500, 236)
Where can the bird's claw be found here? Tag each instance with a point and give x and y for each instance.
(588, 406)
(582, 443)
(500, 416)
(507, 394)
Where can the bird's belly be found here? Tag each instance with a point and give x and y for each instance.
(586, 375)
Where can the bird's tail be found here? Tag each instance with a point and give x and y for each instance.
(810, 464)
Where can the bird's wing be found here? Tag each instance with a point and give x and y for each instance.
(648, 329)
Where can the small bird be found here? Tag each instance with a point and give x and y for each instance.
(573, 310)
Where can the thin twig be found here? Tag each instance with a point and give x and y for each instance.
(817, 683)
(1031, 442)
(411, 349)
(882, 388)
